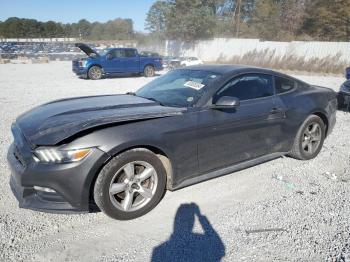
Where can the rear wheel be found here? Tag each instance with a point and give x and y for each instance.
(149, 71)
(95, 73)
(309, 140)
(130, 185)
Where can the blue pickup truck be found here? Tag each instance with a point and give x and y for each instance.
(114, 61)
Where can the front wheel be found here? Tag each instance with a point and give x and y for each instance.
(309, 139)
(149, 71)
(130, 185)
(95, 73)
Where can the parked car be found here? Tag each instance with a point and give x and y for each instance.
(344, 96)
(344, 93)
(114, 61)
(121, 152)
(167, 60)
(176, 62)
(190, 61)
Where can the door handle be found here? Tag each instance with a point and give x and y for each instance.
(276, 110)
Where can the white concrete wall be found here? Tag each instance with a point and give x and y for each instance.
(226, 48)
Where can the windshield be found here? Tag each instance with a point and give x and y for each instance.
(181, 88)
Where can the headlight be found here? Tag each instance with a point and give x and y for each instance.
(55, 155)
(83, 63)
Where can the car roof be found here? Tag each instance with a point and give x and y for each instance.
(231, 69)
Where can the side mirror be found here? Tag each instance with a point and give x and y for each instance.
(109, 56)
(226, 102)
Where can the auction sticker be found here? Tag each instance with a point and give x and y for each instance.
(194, 85)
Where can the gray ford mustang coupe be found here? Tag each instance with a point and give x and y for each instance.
(120, 153)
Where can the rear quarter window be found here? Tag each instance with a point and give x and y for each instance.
(283, 85)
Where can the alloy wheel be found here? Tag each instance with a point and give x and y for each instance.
(133, 186)
(149, 71)
(311, 138)
(95, 73)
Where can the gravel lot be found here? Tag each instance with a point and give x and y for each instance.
(284, 210)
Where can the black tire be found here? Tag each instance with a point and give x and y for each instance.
(148, 71)
(95, 73)
(106, 178)
(298, 150)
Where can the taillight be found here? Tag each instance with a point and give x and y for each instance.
(80, 63)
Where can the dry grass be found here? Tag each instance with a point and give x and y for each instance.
(267, 58)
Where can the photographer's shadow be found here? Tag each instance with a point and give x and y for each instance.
(184, 245)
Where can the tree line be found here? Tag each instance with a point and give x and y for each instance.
(279, 20)
(189, 20)
(117, 29)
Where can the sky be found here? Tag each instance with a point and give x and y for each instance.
(66, 11)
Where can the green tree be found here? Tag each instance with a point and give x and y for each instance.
(265, 22)
(97, 31)
(328, 20)
(118, 29)
(156, 18)
(13, 28)
(50, 29)
(83, 28)
(67, 30)
(189, 20)
(27, 28)
(292, 17)
(34, 28)
(1, 29)
(233, 17)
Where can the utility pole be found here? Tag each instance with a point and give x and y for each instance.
(238, 17)
(347, 28)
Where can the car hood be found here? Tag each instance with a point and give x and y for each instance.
(56, 121)
(86, 49)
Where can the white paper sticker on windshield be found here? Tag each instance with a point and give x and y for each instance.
(194, 85)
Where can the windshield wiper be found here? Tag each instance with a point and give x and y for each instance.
(149, 98)
(154, 100)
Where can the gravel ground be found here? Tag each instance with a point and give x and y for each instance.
(284, 210)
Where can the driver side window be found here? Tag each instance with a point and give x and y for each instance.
(247, 87)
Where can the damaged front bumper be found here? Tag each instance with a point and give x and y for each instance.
(29, 198)
(68, 185)
(80, 71)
